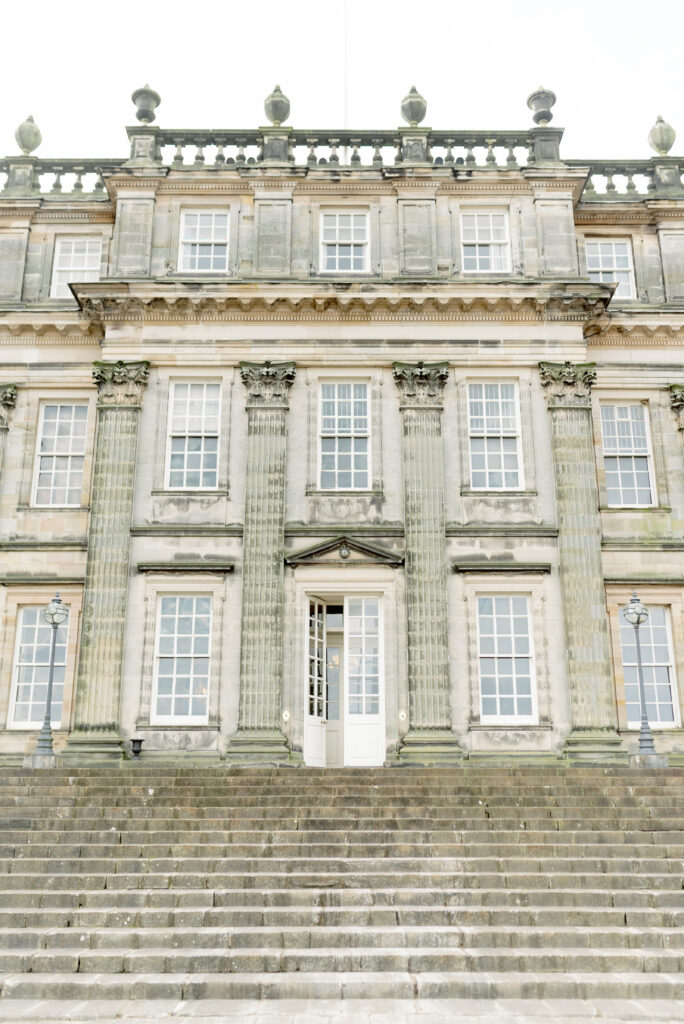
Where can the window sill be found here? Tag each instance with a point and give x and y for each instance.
(154, 727)
(514, 724)
(635, 508)
(23, 507)
(190, 491)
(315, 492)
(488, 492)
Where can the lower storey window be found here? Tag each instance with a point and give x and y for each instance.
(505, 660)
(658, 669)
(32, 668)
(182, 659)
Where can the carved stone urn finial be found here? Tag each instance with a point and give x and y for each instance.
(146, 101)
(661, 137)
(277, 107)
(28, 136)
(413, 107)
(540, 103)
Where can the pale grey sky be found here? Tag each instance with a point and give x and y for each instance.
(614, 66)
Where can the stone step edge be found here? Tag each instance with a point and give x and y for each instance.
(341, 985)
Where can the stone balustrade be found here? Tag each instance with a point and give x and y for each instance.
(34, 176)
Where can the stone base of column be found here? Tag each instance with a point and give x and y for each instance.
(258, 746)
(648, 761)
(92, 746)
(430, 746)
(595, 746)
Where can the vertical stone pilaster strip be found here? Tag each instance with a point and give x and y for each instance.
(8, 399)
(120, 386)
(261, 659)
(592, 697)
(421, 388)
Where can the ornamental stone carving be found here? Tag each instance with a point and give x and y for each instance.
(421, 384)
(568, 383)
(121, 383)
(677, 403)
(8, 399)
(268, 384)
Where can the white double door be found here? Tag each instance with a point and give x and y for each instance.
(344, 720)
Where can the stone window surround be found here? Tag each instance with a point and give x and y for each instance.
(32, 399)
(313, 379)
(161, 379)
(17, 597)
(320, 206)
(652, 398)
(617, 233)
(181, 204)
(69, 229)
(523, 379)
(477, 584)
(671, 598)
(495, 204)
(172, 586)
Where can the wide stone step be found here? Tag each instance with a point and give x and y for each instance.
(74, 941)
(334, 896)
(325, 985)
(351, 860)
(353, 876)
(19, 920)
(306, 959)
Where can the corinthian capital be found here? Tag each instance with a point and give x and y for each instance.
(421, 383)
(677, 403)
(268, 384)
(121, 383)
(567, 383)
(8, 398)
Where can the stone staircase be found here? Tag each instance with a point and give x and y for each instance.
(146, 883)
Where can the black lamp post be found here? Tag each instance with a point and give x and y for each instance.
(55, 614)
(636, 615)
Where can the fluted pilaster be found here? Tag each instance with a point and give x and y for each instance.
(421, 387)
(261, 660)
(120, 390)
(593, 734)
(8, 398)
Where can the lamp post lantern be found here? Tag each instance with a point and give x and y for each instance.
(55, 614)
(635, 613)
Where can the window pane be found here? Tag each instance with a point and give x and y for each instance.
(657, 665)
(182, 662)
(505, 681)
(31, 668)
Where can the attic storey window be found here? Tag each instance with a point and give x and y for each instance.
(76, 259)
(610, 259)
(345, 240)
(485, 242)
(203, 242)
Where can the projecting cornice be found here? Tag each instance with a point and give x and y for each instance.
(162, 302)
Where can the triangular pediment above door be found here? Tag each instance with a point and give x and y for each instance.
(344, 550)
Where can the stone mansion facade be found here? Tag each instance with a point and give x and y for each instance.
(341, 447)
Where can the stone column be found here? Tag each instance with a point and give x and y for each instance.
(96, 726)
(8, 398)
(429, 738)
(593, 735)
(259, 736)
